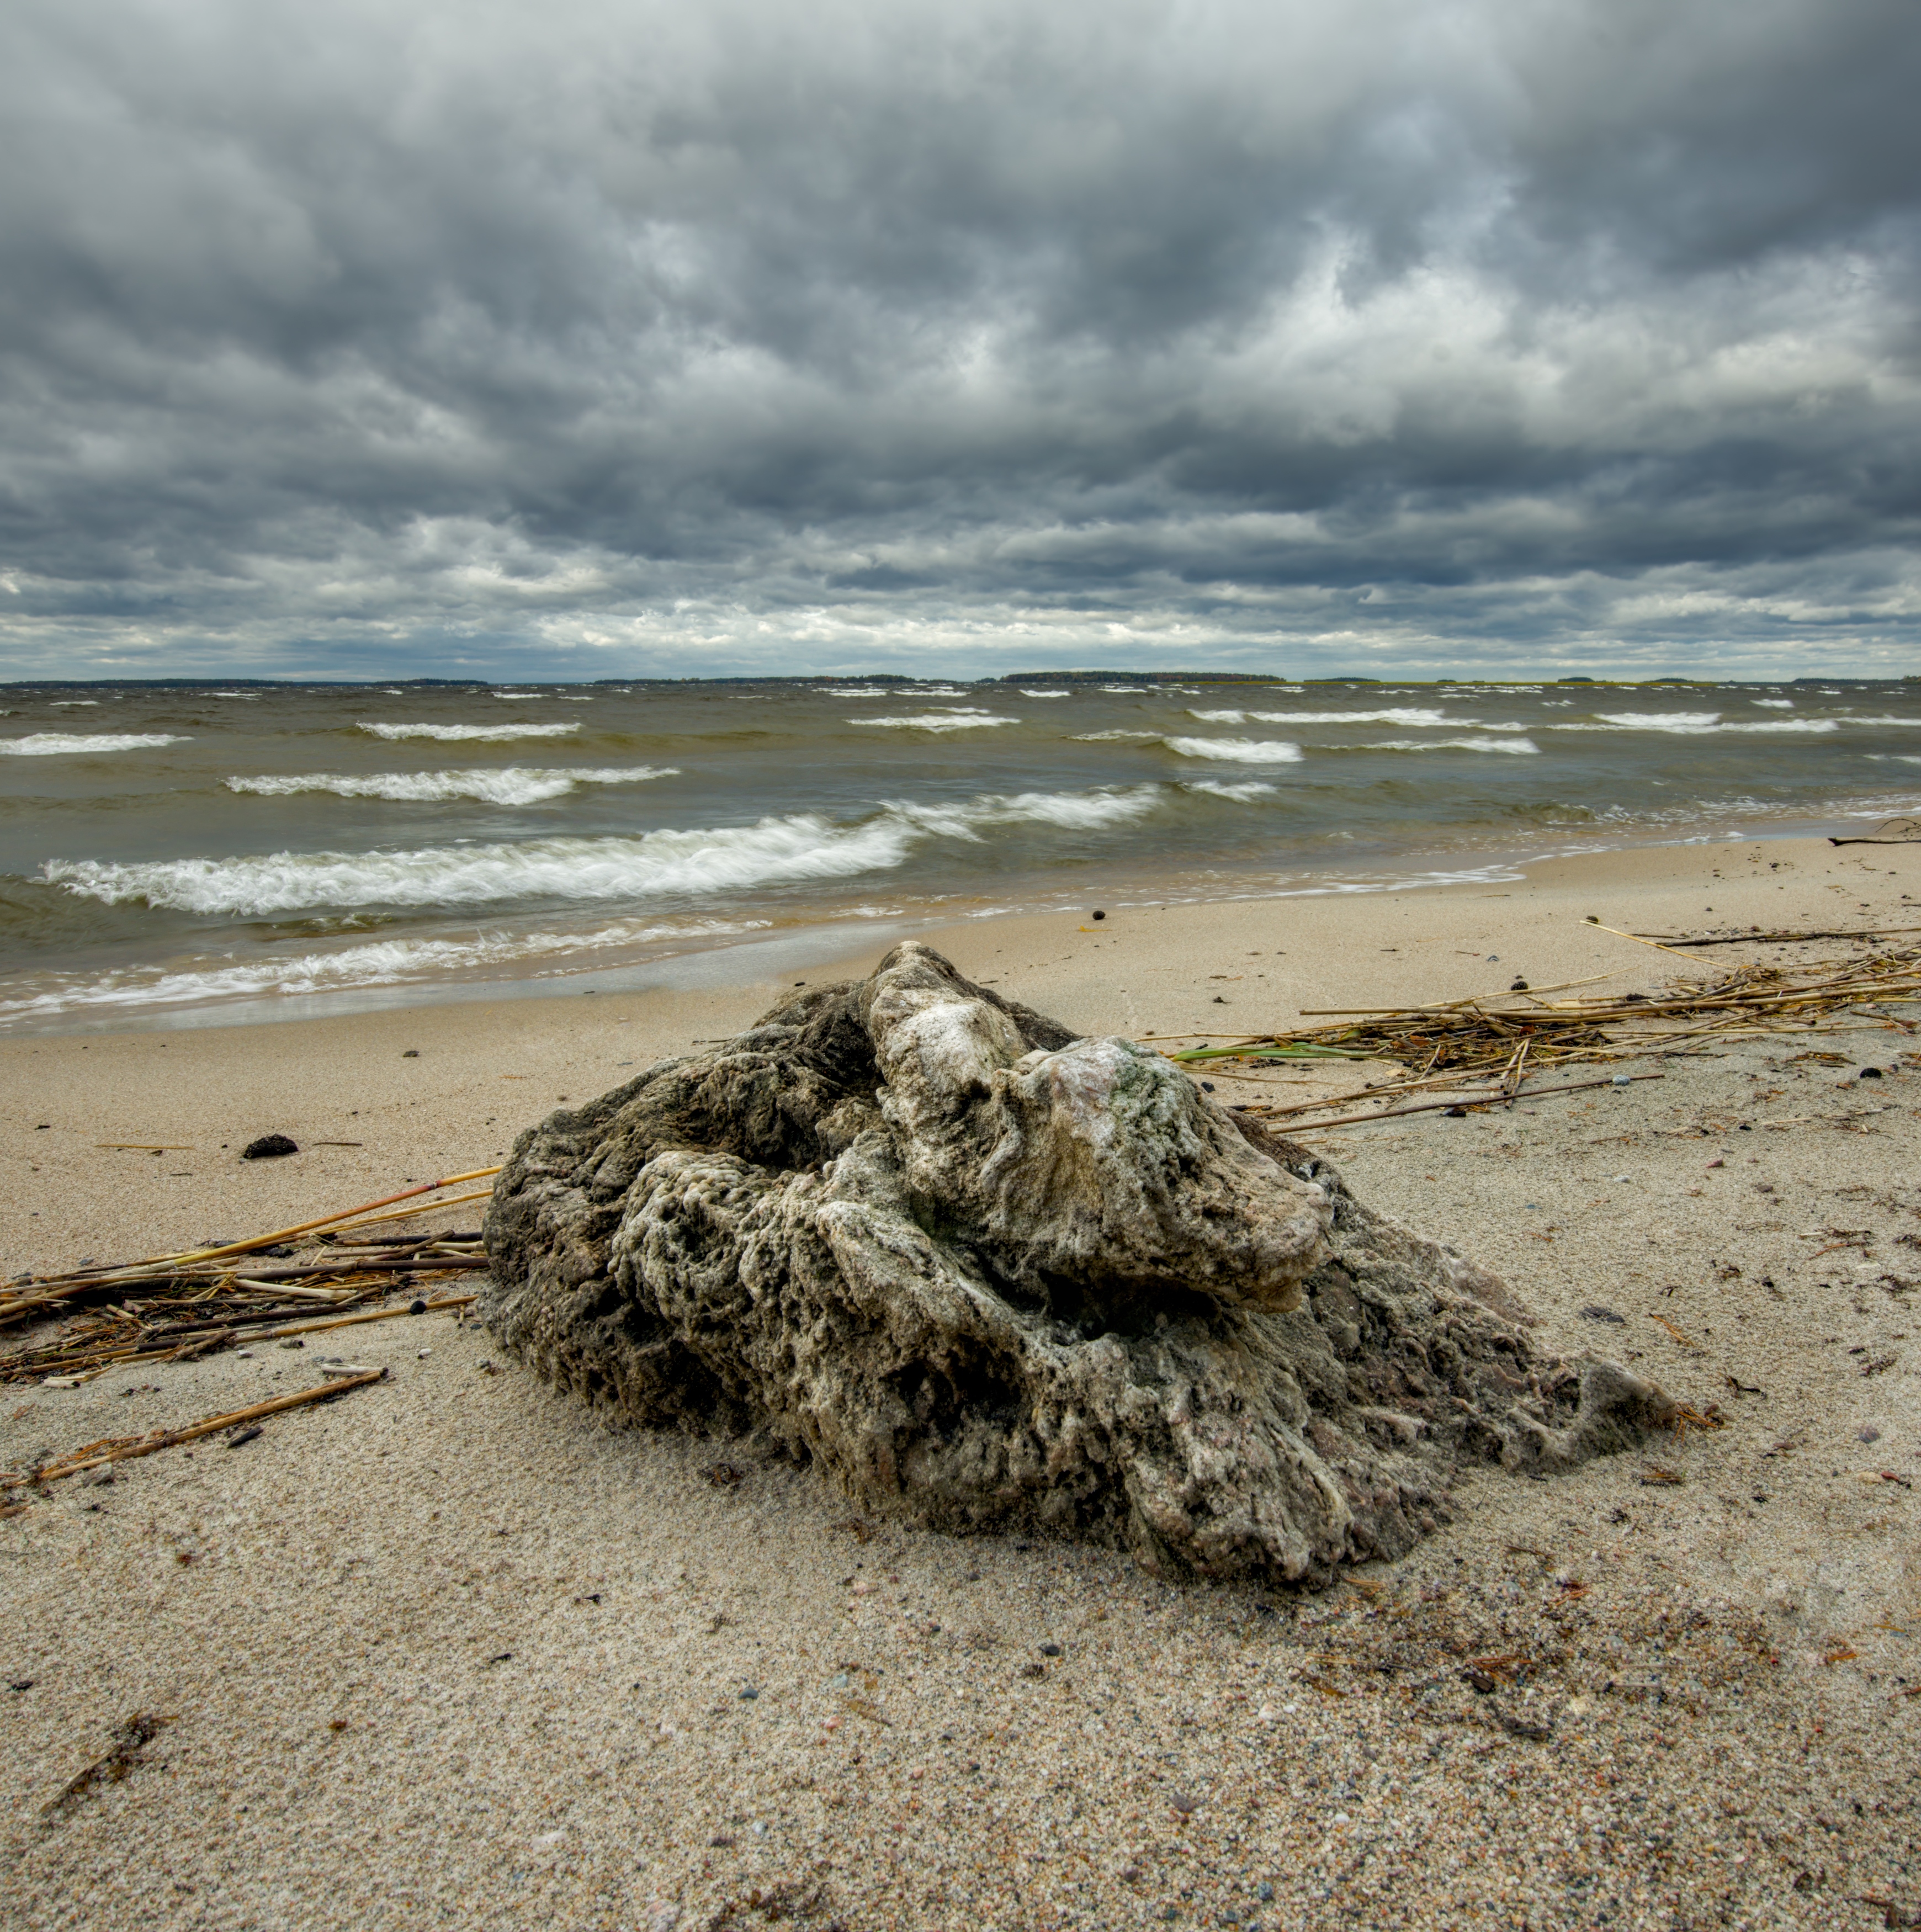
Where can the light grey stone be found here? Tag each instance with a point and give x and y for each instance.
(990, 1275)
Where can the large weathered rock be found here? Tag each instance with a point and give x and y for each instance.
(991, 1275)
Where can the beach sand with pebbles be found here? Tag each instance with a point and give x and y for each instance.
(445, 1651)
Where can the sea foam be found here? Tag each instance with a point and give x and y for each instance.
(514, 784)
(803, 848)
(60, 744)
(1243, 750)
(450, 733)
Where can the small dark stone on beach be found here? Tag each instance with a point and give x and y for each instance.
(1594, 1312)
(1207, 1086)
(412, 1053)
(417, 1308)
(1453, 1113)
(240, 1435)
(1050, 1650)
(268, 1147)
(1870, 1073)
(1183, 1804)
(1478, 1681)
(1100, 915)
(1870, 1434)
(1518, 986)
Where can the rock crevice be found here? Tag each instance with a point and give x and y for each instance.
(991, 1275)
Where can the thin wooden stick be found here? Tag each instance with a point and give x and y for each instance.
(172, 1437)
(1496, 1099)
(348, 1321)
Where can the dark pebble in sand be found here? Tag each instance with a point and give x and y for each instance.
(412, 1053)
(1870, 1073)
(1100, 915)
(417, 1308)
(240, 1435)
(1594, 1312)
(1870, 1434)
(1050, 1650)
(268, 1147)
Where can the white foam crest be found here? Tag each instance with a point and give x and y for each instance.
(1112, 737)
(453, 733)
(1243, 750)
(62, 744)
(1239, 794)
(804, 846)
(961, 718)
(1893, 758)
(1524, 746)
(514, 784)
(774, 850)
(1412, 716)
(1073, 810)
(1695, 724)
(519, 697)
(246, 696)
(73, 704)
(381, 963)
(1026, 693)
(1909, 721)
(1773, 703)
(1128, 689)
(855, 691)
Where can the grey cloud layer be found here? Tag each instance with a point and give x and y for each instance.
(605, 338)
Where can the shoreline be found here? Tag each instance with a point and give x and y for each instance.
(447, 1651)
(760, 956)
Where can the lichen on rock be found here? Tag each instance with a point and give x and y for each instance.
(992, 1276)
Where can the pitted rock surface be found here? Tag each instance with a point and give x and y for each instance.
(991, 1275)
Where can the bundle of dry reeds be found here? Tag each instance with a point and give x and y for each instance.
(175, 1307)
(1460, 1044)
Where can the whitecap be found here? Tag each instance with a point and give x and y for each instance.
(1239, 794)
(1244, 750)
(802, 848)
(960, 718)
(1522, 745)
(1026, 693)
(380, 963)
(514, 784)
(58, 744)
(519, 697)
(72, 703)
(1132, 689)
(1773, 703)
(1112, 737)
(450, 733)
(1694, 723)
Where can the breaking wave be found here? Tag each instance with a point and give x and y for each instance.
(1524, 746)
(57, 744)
(450, 733)
(960, 718)
(1243, 750)
(513, 785)
(381, 963)
(1694, 723)
(1403, 714)
(799, 848)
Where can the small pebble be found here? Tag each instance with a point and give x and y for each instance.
(1622, 1080)
(1050, 1650)
(293, 1341)
(1717, 1161)
(1870, 1434)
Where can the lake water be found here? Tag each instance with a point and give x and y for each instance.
(173, 854)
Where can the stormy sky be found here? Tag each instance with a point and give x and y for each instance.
(577, 339)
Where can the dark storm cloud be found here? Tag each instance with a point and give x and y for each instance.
(595, 339)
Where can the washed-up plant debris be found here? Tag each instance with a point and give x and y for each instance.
(1502, 1041)
(320, 1274)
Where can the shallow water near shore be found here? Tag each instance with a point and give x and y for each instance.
(171, 853)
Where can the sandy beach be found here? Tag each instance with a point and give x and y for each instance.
(445, 1651)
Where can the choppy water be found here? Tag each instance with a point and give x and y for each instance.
(165, 850)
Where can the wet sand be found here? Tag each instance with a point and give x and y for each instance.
(446, 1652)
